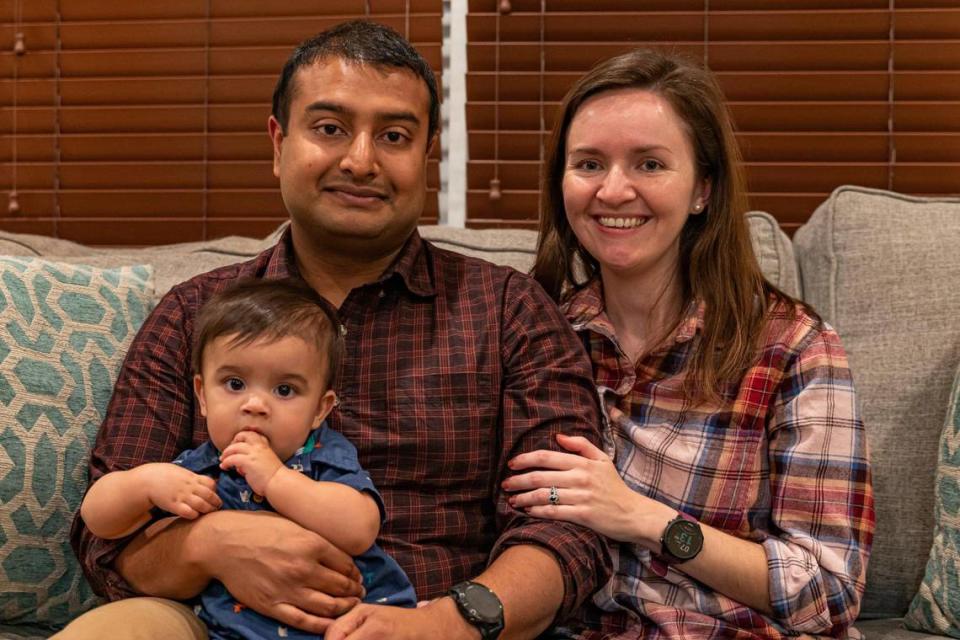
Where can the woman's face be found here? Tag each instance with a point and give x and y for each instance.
(630, 182)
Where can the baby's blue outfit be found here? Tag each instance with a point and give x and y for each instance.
(326, 456)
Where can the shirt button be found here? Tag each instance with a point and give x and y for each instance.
(343, 330)
(382, 293)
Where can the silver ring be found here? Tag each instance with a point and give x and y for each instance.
(554, 496)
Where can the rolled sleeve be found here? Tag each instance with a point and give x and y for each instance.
(548, 389)
(822, 500)
(149, 419)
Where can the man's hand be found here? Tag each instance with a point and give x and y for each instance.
(437, 619)
(250, 454)
(177, 490)
(278, 568)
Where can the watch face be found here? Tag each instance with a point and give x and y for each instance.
(683, 539)
(484, 603)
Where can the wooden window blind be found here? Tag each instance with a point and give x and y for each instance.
(823, 92)
(144, 123)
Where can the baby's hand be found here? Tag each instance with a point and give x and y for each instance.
(250, 454)
(180, 491)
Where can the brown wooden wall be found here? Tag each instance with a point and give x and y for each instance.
(145, 122)
(823, 92)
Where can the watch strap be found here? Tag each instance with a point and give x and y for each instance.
(660, 563)
(490, 628)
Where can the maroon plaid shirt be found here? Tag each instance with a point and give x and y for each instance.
(452, 367)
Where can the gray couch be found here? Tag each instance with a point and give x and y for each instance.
(884, 269)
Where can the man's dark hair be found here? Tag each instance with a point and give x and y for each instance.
(260, 309)
(361, 42)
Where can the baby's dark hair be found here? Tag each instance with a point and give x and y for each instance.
(260, 309)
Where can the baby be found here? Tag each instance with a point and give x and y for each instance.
(265, 352)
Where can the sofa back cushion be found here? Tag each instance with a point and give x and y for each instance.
(171, 264)
(774, 252)
(64, 330)
(883, 268)
(517, 248)
(510, 247)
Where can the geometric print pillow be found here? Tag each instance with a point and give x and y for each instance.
(64, 330)
(936, 607)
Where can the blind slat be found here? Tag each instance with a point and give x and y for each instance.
(146, 112)
(822, 92)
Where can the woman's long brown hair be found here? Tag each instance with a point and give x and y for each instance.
(717, 261)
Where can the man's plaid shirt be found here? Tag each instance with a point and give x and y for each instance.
(452, 367)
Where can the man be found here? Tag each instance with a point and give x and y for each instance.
(452, 367)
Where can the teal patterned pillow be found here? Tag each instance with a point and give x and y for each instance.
(936, 607)
(64, 330)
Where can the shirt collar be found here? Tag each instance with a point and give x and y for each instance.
(282, 263)
(411, 266)
(585, 310)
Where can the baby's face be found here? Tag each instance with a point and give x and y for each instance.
(277, 389)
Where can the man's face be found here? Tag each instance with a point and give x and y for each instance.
(352, 164)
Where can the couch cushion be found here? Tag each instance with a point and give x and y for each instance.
(891, 629)
(883, 269)
(936, 606)
(774, 252)
(171, 264)
(65, 330)
(510, 247)
(24, 632)
(517, 248)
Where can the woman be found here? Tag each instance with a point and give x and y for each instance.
(735, 474)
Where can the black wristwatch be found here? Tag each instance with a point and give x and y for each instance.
(681, 542)
(481, 608)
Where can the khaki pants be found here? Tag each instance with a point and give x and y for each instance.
(136, 619)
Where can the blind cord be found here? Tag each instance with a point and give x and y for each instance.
(19, 48)
(495, 193)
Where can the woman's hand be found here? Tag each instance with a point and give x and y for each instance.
(590, 492)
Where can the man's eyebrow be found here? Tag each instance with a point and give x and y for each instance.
(388, 116)
(322, 105)
(404, 116)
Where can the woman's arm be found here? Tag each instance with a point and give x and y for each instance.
(821, 493)
(809, 575)
(119, 503)
(593, 494)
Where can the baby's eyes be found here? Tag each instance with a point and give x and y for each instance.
(235, 384)
(284, 390)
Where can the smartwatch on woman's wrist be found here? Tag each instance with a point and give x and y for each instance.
(682, 541)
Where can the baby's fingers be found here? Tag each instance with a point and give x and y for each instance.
(208, 497)
(194, 506)
(234, 448)
(233, 461)
(185, 511)
(208, 483)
